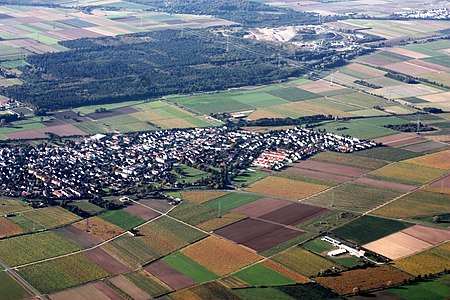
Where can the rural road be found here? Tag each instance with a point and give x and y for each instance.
(21, 281)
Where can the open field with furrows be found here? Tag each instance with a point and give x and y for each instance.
(304, 262)
(99, 228)
(355, 197)
(43, 218)
(148, 283)
(62, 273)
(201, 196)
(8, 228)
(417, 204)
(364, 279)
(434, 260)
(34, 247)
(220, 256)
(11, 289)
(285, 188)
(367, 228)
(155, 239)
(210, 290)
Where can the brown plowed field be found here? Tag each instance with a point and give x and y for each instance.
(444, 182)
(261, 207)
(332, 168)
(407, 141)
(285, 271)
(8, 228)
(64, 130)
(257, 234)
(386, 184)
(79, 236)
(393, 138)
(294, 214)
(427, 146)
(106, 261)
(320, 175)
(397, 245)
(141, 212)
(158, 204)
(106, 290)
(99, 228)
(98, 290)
(428, 234)
(364, 279)
(201, 196)
(169, 275)
(130, 288)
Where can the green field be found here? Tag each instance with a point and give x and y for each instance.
(230, 201)
(328, 221)
(247, 177)
(188, 267)
(10, 289)
(189, 175)
(262, 293)
(350, 160)
(307, 179)
(62, 273)
(294, 94)
(8, 205)
(259, 275)
(436, 289)
(368, 228)
(356, 128)
(88, 207)
(387, 153)
(122, 219)
(193, 213)
(318, 246)
(43, 218)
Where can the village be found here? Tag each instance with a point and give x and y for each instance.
(102, 165)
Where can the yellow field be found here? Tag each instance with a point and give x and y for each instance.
(439, 160)
(285, 188)
(432, 261)
(220, 256)
(201, 196)
(220, 222)
(408, 173)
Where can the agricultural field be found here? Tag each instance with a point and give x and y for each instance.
(201, 196)
(30, 248)
(97, 290)
(9, 205)
(433, 260)
(304, 262)
(285, 188)
(210, 290)
(9, 228)
(43, 218)
(193, 213)
(122, 219)
(364, 279)
(62, 273)
(220, 256)
(260, 275)
(99, 228)
(407, 173)
(11, 289)
(88, 207)
(367, 229)
(231, 201)
(189, 268)
(436, 288)
(148, 283)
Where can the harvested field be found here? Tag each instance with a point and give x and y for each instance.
(201, 196)
(210, 290)
(405, 142)
(364, 279)
(439, 160)
(303, 261)
(319, 175)
(407, 173)
(220, 256)
(44, 218)
(430, 235)
(407, 68)
(141, 212)
(367, 229)
(397, 245)
(294, 214)
(12, 205)
(285, 271)
(386, 184)
(261, 207)
(320, 86)
(169, 275)
(256, 234)
(8, 228)
(106, 261)
(406, 52)
(285, 188)
(98, 290)
(332, 168)
(148, 283)
(157, 204)
(129, 288)
(434, 261)
(78, 236)
(393, 138)
(99, 228)
(350, 159)
(425, 146)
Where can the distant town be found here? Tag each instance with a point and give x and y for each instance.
(102, 165)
